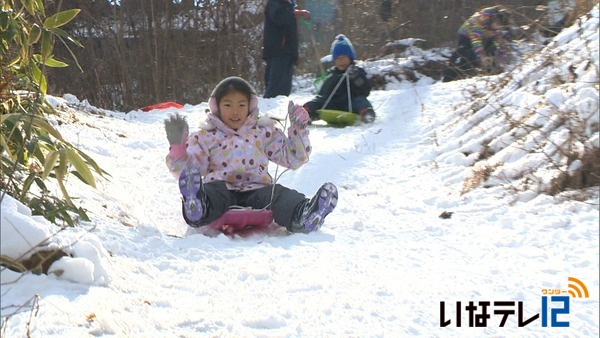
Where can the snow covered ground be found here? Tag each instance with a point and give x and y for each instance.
(384, 261)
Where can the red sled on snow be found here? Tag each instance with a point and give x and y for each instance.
(162, 105)
(244, 222)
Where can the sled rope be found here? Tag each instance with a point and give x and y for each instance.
(276, 175)
(344, 76)
(348, 91)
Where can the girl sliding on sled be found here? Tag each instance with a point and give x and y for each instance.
(225, 163)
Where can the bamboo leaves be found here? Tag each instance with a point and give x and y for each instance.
(34, 153)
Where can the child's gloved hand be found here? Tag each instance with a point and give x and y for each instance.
(354, 75)
(298, 115)
(302, 13)
(353, 72)
(177, 129)
(177, 133)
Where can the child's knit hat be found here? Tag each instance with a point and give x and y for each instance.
(498, 13)
(342, 46)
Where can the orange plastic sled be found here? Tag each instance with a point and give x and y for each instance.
(162, 105)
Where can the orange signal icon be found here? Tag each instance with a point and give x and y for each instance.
(577, 289)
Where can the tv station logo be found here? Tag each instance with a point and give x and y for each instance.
(555, 306)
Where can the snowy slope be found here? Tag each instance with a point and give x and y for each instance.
(382, 263)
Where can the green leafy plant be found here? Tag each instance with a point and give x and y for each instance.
(33, 152)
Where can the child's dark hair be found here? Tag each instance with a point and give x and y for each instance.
(233, 84)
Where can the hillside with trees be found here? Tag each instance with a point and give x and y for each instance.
(137, 52)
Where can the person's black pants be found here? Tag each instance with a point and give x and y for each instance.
(278, 76)
(464, 61)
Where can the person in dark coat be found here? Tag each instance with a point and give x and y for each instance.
(280, 45)
(344, 75)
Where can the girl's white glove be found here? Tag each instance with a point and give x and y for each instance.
(177, 133)
(177, 129)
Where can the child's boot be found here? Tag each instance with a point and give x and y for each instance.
(311, 214)
(194, 199)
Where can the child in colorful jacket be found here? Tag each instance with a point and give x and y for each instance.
(344, 75)
(482, 43)
(225, 163)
